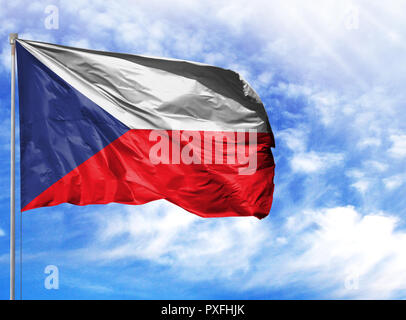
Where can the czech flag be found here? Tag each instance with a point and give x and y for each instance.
(99, 127)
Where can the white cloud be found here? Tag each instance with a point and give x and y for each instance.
(361, 185)
(166, 234)
(369, 142)
(2, 233)
(364, 177)
(317, 249)
(398, 148)
(349, 242)
(80, 43)
(313, 162)
(395, 181)
(302, 161)
(294, 138)
(329, 246)
(215, 58)
(376, 165)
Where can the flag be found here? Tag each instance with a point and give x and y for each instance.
(99, 127)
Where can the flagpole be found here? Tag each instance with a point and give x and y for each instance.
(13, 37)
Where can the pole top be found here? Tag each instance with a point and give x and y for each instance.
(13, 37)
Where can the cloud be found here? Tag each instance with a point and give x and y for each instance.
(361, 185)
(351, 243)
(303, 161)
(319, 250)
(2, 233)
(294, 138)
(369, 142)
(394, 182)
(328, 247)
(168, 235)
(312, 162)
(398, 148)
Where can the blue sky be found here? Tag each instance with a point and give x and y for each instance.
(331, 75)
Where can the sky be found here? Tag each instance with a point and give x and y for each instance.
(331, 75)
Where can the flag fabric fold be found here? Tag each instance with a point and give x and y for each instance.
(100, 127)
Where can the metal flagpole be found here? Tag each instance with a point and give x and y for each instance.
(13, 37)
